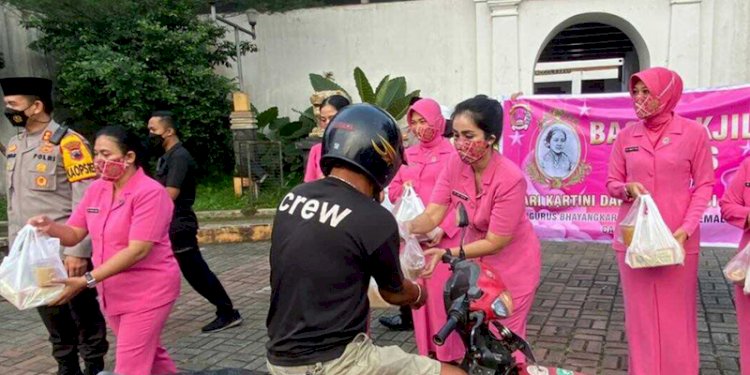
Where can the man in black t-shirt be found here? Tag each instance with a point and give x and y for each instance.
(176, 171)
(329, 237)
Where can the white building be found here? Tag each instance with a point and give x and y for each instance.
(454, 49)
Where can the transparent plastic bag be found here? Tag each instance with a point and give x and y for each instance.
(737, 268)
(412, 259)
(386, 203)
(376, 300)
(408, 208)
(653, 244)
(26, 274)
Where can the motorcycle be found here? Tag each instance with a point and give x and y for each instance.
(475, 300)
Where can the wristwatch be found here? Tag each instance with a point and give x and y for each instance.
(90, 280)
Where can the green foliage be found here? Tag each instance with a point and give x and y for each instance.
(271, 127)
(390, 93)
(119, 60)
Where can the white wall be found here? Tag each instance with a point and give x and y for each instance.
(430, 42)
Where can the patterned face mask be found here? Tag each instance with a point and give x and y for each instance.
(646, 106)
(471, 151)
(111, 170)
(424, 133)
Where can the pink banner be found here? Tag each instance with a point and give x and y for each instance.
(566, 197)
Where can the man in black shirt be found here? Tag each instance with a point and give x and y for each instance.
(176, 171)
(329, 237)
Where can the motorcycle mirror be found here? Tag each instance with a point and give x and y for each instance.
(462, 218)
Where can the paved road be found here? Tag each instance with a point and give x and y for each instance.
(576, 322)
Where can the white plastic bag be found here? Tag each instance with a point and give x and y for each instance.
(408, 208)
(376, 300)
(737, 268)
(412, 259)
(653, 244)
(25, 274)
(386, 201)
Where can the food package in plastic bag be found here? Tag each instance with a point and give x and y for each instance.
(653, 244)
(408, 208)
(376, 300)
(412, 259)
(737, 268)
(26, 274)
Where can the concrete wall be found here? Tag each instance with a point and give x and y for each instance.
(453, 49)
(430, 42)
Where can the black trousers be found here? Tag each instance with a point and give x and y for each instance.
(195, 270)
(77, 327)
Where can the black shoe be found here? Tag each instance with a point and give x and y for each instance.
(223, 322)
(69, 367)
(396, 323)
(94, 366)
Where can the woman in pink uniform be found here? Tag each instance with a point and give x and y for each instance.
(735, 209)
(426, 160)
(492, 188)
(667, 156)
(127, 216)
(328, 108)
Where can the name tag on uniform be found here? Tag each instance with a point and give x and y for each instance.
(460, 195)
(631, 149)
(92, 210)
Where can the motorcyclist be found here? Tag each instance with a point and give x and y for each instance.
(330, 237)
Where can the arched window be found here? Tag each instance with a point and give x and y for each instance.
(587, 57)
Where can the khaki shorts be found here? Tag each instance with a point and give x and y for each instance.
(362, 357)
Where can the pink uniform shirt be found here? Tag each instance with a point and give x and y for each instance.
(735, 204)
(425, 166)
(141, 212)
(500, 209)
(312, 171)
(678, 173)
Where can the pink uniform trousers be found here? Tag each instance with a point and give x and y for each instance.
(139, 348)
(432, 316)
(661, 317)
(742, 302)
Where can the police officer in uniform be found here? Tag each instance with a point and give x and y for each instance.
(48, 169)
(176, 171)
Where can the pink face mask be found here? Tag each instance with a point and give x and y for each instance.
(111, 170)
(646, 106)
(424, 133)
(471, 151)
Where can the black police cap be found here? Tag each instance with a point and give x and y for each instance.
(31, 86)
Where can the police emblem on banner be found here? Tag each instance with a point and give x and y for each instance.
(559, 152)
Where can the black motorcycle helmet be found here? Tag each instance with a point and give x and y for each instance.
(367, 138)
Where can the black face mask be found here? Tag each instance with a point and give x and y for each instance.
(16, 117)
(155, 140)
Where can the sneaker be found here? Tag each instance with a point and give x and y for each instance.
(223, 322)
(396, 323)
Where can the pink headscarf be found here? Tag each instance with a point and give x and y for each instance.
(666, 86)
(430, 110)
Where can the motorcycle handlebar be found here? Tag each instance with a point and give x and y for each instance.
(450, 325)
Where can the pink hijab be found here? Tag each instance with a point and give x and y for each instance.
(666, 86)
(430, 110)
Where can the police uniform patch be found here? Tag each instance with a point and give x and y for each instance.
(47, 136)
(9, 165)
(47, 149)
(12, 148)
(77, 159)
(41, 181)
(41, 167)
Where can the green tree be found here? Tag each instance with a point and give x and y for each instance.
(119, 60)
